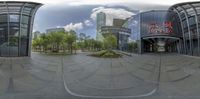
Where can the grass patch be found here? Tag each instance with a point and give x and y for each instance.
(106, 54)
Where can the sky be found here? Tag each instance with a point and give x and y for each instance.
(80, 15)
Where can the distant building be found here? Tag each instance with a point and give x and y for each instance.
(36, 35)
(118, 22)
(100, 21)
(122, 33)
(55, 30)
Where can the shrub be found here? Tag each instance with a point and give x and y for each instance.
(106, 54)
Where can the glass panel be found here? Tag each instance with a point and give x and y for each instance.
(24, 32)
(14, 9)
(27, 10)
(24, 25)
(14, 24)
(14, 18)
(25, 19)
(3, 18)
(24, 47)
(190, 12)
(4, 49)
(198, 18)
(184, 24)
(192, 20)
(14, 31)
(15, 4)
(13, 41)
(3, 25)
(30, 5)
(13, 45)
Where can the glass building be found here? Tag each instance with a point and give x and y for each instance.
(159, 31)
(55, 30)
(189, 20)
(16, 24)
(122, 34)
(155, 31)
(100, 21)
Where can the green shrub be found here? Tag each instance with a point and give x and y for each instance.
(106, 54)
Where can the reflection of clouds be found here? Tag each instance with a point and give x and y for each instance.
(134, 24)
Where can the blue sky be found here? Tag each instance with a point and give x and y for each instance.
(79, 18)
(80, 15)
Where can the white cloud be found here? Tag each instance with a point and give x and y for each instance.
(73, 26)
(88, 23)
(111, 13)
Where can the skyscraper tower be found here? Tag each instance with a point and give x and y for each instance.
(100, 21)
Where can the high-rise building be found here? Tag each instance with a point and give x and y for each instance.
(55, 30)
(36, 35)
(122, 33)
(100, 21)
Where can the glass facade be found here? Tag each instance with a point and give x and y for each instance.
(16, 20)
(151, 28)
(189, 19)
(121, 33)
(100, 21)
(159, 23)
(133, 23)
(181, 21)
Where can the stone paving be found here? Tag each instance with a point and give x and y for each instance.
(147, 76)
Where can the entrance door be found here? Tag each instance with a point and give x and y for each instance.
(161, 46)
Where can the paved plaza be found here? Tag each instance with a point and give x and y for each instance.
(146, 76)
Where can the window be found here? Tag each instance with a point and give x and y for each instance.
(3, 18)
(24, 32)
(14, 18)
(14, 31)
(192, 20)
(27, 11)
(25, 19)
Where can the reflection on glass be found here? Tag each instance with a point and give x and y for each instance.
(14, 18)
(25, 19)
(3, 18)
(24, 32)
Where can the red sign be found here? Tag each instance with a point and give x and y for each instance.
(165, 28)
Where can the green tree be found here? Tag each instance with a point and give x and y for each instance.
(44, 41)
(56, 39)
(37, 44)
(110, 41)
(71, 39)
(81, 43)
(98, 45)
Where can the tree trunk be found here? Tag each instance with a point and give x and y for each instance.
(71, 49)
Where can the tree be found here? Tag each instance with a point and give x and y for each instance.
(56, 39)
(44, 40)
(82, 38)
(98, 45)
(110, 41)
(37, 44)
(132, 46)
(70, 39)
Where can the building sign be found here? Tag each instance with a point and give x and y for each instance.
(164, 28)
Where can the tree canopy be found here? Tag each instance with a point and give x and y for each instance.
(110, 41)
